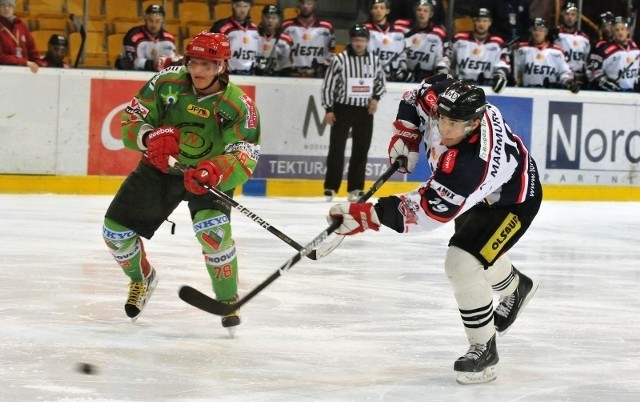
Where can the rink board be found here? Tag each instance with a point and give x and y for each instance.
(587, 146)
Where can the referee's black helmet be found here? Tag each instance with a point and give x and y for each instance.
(359, 31)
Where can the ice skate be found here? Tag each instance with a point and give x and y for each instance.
(329, 194)
(478, 365)
(232, 320)
(511, 306)
(354, 195)
(139, 294)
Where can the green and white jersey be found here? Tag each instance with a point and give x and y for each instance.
(224, 126)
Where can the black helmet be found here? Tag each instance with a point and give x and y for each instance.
(462, 101)
(482, 13)
(569, 6)
(155, 9)
(359, 31)
(271, 9)
(58, 40)
(539, 23)
(385, 2)
(606, 18)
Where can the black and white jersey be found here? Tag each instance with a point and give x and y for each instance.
(244, 40)
(478, 60)
(353, 80)
(492, 166)
(313, 44)
(425, 48)
(620, 63)
(576, 47)
(387, 43)
(541, 65)
(141, 49)
(276, 47)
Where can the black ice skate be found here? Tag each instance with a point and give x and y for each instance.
(139, 294)
(478, 365)
(231, 320)
(511, 306)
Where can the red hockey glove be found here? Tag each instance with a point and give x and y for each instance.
(405, 143)
(356, 218)
(207, 173)
(161, 143)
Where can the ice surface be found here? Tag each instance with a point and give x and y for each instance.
(374, 321)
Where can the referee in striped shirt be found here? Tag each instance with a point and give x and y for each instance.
(351, 89)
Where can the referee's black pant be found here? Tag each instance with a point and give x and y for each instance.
(358, 119)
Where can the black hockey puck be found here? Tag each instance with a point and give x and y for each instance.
(87, 368)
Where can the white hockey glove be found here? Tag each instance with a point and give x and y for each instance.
(402, 73)
(356, 218)
(405, 143)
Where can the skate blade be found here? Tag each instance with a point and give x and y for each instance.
(465, 378)
(232, 332)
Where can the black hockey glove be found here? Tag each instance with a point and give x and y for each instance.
(572, 85)
(265, 65)
(607, 84)
(499, 81)
(402, 73)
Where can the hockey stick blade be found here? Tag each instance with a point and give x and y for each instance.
(213, 306)
(326, 248)
(231, 203)
(198, 299)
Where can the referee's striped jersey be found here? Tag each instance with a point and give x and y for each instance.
(353, 80)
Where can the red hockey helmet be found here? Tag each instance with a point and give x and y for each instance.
(209, 46)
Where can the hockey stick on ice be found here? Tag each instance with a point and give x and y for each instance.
(245, 211)
(203, 302)
(83, 38)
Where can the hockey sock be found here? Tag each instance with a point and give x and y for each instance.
(213, 230)
(126, 248)
(473, 294)
(500, 276)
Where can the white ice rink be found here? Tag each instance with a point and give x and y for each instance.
(374, 321)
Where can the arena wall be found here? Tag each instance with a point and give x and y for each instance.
(60, 133)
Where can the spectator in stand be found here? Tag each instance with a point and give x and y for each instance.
(58, 47)
(539, 63)
(576, 44)
(351, 90)
(17, 47)
(243, 35)
(614, 65)
(314, 42)
(480, 57)
(387, 41)
(274, 50)
(404, 10)
(148, 47)
(426, 45)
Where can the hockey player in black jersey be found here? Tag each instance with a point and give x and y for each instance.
(486, 182)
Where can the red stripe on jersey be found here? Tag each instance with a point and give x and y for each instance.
(449, 160)
(524, 174)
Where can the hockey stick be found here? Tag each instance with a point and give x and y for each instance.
(326, 248)
(245, 211)
(198, 299)
(83, 37)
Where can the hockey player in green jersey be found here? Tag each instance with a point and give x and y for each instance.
(195, 115)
